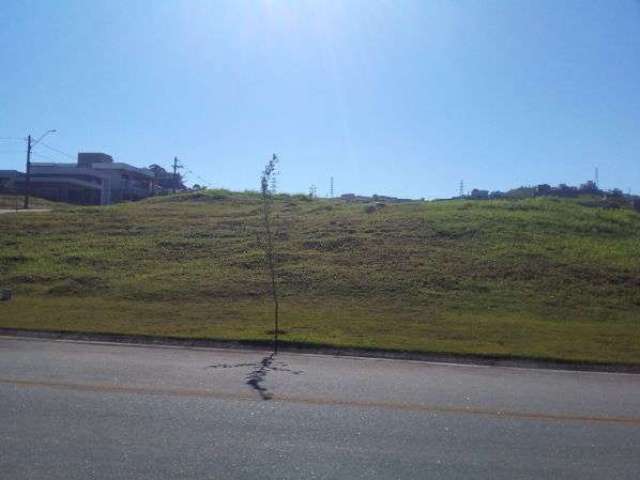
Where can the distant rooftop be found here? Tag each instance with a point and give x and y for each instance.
(87, 159)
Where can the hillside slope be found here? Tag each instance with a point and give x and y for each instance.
(11, 202)
(543, 278)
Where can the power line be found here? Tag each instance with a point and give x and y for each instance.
(206, 182)
(53, 149)
(42, 155)
(203, 180)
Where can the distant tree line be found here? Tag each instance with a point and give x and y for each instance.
(589, 188)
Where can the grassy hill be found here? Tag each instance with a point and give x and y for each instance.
(8, 201)
(544, 278)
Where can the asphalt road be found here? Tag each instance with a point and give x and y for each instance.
(72, 410)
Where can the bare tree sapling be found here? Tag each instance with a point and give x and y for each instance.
(267, 187)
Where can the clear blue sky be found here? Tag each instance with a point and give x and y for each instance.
(390, 97)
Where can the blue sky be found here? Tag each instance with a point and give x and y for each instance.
(398, 97)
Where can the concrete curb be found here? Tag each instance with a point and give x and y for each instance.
(482, 360)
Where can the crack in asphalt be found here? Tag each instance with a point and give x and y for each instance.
(256, 377)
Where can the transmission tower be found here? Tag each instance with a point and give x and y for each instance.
(331, 188)
(461, 189)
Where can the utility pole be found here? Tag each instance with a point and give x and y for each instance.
(331, 188)
(27, 180)
(175, 173)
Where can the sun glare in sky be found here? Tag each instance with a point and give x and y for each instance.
(404, 98)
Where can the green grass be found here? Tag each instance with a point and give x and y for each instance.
(541, 278)
(12, 201)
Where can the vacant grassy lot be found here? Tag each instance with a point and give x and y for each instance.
(12, 202)
(541, 277)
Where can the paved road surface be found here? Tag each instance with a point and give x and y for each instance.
(72, 410)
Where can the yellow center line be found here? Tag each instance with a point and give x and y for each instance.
(195, 392)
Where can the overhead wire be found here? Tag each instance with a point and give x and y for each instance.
(42, 155)
(9, 141)
(53, 149)
(70, 156)
(206, 182)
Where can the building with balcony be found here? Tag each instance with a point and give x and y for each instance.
(94, 180)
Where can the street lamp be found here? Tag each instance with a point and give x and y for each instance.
(27, 181)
